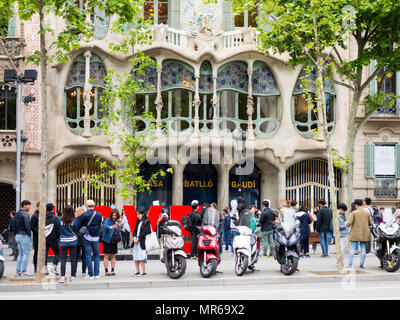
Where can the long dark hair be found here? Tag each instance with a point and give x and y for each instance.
(143, 212)
(68, 215)
(114, 211)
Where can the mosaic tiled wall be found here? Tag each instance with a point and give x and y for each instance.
(31, 112)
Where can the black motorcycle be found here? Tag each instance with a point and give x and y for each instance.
(287, 242)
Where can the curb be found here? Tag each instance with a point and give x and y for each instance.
(347, 280)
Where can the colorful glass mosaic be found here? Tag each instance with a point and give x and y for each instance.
(177, 75)
(206, 80)
(76, 76)
(149, 79)
(263, 81)
(233, 76)
(312, 77)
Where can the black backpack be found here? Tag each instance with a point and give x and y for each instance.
(187, 223)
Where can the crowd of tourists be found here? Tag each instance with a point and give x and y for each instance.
(79, 232)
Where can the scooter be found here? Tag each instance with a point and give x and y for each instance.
(208, 251)
(387, 249)
(245, 248)
(287, 246)
(2, 260)
(172, 249)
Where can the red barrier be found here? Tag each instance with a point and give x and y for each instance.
(176, 213)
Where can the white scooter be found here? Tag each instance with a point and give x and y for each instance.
(245, 248)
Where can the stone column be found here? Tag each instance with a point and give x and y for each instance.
(250, 103)
(159, 102)
(215, 102)
(86, 96)
(52, 186)
(119, 201)
(281, 184)
(177, 184)
(196, 105)
(223, 185)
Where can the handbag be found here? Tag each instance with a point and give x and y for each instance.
(116, 237)
(152, 241)
(82, 231)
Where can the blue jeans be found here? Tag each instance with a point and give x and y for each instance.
(227, 239)
(233, 235)
(89, 246)
(353, 247)
(325, 238)
(24, 250)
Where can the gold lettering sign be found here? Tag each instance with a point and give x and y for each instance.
(245, 184)
(198, 184)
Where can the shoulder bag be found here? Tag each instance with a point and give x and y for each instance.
(83, 230)
(152, 241)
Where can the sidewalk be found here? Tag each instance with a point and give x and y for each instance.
(312, 270)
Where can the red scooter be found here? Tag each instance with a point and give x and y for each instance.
(208, 251)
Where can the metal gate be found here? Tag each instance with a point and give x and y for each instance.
(7, 196)
(307, 182)
(73, 177)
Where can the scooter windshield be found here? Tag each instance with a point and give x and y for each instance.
(388, 217)
(288, 218)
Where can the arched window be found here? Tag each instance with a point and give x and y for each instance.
(304, 117)
(266, 98)
(144, 100)
(206, 88)
(232, 88)
(307, 182)
(178, 88)
(73, 177)
(74, 109)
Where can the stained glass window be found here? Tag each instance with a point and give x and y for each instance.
(176, 74)
(233, 76)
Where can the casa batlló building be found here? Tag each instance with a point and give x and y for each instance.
(211, 80)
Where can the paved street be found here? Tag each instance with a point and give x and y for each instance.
(384, 290)
(317, 279)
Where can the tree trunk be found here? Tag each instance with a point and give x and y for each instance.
(43, 146)
(331, 171)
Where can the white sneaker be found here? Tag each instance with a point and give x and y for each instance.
(54, 270)
(88, 277)
(62, 280)
(97, 277)
(27, 274)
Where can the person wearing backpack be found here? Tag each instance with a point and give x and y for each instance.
(111, 235)
(194, 232)
(52, 237)
(68, 241)
(23, 238)
(80, 249)
(89, 226)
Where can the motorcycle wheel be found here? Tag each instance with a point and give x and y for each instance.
(391, 263)
(178, 269)
(241, 263)
(290, 267)
(209, 269)
(1, 269)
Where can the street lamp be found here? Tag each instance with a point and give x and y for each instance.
(11, 77)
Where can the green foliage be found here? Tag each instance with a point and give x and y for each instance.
(124, 122)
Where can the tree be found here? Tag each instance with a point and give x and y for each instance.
(316, 32)
(126, 123)
(65, 41)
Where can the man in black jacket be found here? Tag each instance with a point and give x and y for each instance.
(196, 222)
(52, 236)
(324, 226)
(267, 221)
(35, 235)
